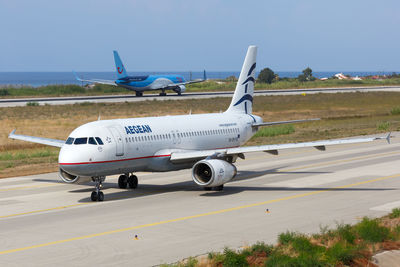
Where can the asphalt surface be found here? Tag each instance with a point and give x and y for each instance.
(172, 96)
(44, 222)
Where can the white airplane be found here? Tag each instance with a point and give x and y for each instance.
(207, 143)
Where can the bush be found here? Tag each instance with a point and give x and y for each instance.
(395, 111)
(266, 76)
(383, 126)
(261, 247)
(370, 230)
(395, 213)
(234, 259)
(346, 233)
(286, 238)
(4, 92)
(340, 252)
(32, 104)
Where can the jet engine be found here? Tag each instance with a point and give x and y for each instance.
(181, 88)
(213, 172)
(70, 178)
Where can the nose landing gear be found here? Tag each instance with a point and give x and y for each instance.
(97, 195)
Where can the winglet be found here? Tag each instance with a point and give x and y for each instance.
(204, 75)
(12, 133)
(387, 138)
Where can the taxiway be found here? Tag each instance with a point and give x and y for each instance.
(45, 222)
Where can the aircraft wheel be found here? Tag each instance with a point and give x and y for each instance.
(207, 188)
(94, 196)
(139, 93)
(219, 188)
(163, 94)
(122, 181)
(133, 181)
(100, 196)
(179, 93)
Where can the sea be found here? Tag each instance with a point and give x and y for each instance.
(37, 79)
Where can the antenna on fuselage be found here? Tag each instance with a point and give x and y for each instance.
(190, 112)
(99, 117)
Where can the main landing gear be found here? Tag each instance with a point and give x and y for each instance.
(97, 195)
(163, 93)
(125, 180)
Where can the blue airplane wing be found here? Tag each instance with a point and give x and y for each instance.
(109, 82)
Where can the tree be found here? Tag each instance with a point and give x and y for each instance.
(266, 76)
(306, 76)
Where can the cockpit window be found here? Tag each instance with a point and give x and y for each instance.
(92, 141)
(80, 141)
(69, 141)
(99, 141)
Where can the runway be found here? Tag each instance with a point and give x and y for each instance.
(13, 102)
(44, 222)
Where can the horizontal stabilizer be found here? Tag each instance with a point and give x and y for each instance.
(282, 122)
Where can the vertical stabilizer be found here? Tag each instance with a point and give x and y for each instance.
(121, 72)
(242, 101)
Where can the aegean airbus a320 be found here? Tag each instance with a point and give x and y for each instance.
(209, 144)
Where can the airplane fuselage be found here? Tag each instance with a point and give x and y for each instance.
(146, 144)
(150, 82)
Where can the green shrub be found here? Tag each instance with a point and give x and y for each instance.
(32, 104)
(261, 247)
(341, 252)
(346, 233)
(383, 126)
(275, 131)
(4, 92)
(395, 110)
(370, 230)
(395, 213)
(233, 259)
(286, 238)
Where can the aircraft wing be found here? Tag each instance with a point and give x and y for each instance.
(109, 82)
(272, 149)
(39, 140)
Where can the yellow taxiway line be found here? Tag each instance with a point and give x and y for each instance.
(196, 216)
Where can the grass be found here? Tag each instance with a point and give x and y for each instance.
(275, 131)
(343, 115)
(208, 86)
(345, 245)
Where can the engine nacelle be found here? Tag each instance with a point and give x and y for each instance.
(70, 178)
(182, 88)
(213, 172)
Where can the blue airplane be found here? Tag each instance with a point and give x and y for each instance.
(139, 84)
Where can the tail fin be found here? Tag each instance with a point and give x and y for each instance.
(242, 101)
(121, 72)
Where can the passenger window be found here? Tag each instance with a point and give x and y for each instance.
(69, 141)
(80, 141)
(99, 141)
(92, 141)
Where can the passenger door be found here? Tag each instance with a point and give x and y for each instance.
(118, 141)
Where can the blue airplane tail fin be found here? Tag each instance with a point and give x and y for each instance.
(121, 71)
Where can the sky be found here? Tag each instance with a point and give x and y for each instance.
(190, 35)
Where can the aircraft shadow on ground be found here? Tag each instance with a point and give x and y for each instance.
(189, 186)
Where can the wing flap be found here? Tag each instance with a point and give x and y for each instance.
(38, 140)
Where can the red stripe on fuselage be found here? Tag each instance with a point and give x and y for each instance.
(109, 161)
(148, 157)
